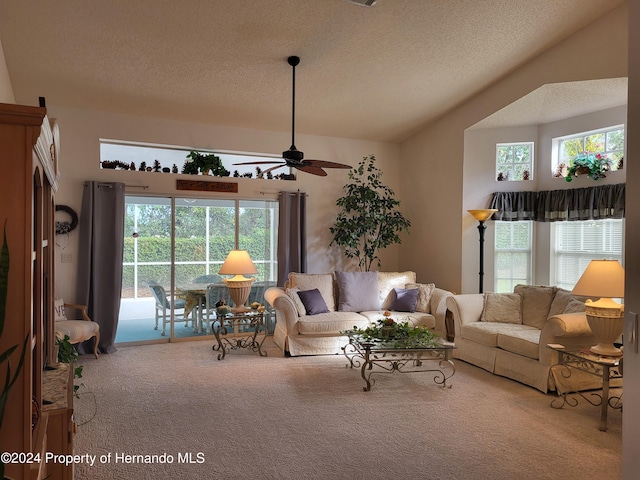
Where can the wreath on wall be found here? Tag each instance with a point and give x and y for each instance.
(64, 226)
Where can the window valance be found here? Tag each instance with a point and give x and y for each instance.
(590, 203)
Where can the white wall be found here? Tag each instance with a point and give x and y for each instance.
(480, 179)
(80, 131)
(434, 163)
(6, 90)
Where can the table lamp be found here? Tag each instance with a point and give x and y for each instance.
(238, 263)
(482, 216)
(604, 279)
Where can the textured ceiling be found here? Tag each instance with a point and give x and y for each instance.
(378, 73)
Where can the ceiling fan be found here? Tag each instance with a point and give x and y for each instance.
(293, 157)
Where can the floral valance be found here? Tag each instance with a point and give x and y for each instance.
(590, 203)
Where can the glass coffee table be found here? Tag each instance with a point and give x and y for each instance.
(606, 368)
(388, 356)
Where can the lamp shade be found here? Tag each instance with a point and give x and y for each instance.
(601, 278)
(238, 262)
(483, 214)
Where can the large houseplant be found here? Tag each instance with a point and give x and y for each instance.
(369, 219)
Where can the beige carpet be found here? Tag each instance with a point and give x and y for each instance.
(248, 417)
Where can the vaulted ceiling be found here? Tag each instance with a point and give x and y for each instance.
(379, 73)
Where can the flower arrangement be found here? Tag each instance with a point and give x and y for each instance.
(594, 165)
(401, 333)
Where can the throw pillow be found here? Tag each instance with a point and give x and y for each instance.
(574, 306)
(58, 307)
(424, 296)
(536, 303)
(357, 291)
(309, 281)
(387, 281)
(313, 301)
(293, 294)
(502, 308)
(404, 300)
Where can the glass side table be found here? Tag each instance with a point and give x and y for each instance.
(582, 359)
(239, 330)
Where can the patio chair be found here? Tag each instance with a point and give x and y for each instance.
(163, 307)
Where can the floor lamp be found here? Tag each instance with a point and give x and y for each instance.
(482, 216)
(238, 263)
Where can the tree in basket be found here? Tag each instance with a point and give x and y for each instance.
(368, 220)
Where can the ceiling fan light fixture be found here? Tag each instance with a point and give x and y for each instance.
(364, 3)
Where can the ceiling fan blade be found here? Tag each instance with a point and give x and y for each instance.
(325, 164)
(271, 169)
(260, 163)
(311, 169)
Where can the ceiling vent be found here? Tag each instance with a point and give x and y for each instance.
(364, 3)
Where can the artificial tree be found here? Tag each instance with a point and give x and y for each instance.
(369, 219)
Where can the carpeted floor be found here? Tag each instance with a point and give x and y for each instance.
(248, 417)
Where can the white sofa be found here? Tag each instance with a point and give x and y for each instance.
(298, 333)
(490, 334)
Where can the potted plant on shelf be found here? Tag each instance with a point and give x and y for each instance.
(593, 165)
(206, 164)
(369, 219)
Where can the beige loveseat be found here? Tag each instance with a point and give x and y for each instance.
(507, 334)
(299, 333)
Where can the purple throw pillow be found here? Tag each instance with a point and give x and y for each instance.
(313, 301)
(404, 300)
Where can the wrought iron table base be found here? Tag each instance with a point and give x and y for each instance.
(400, 360)
(602, 400)
(239, 341)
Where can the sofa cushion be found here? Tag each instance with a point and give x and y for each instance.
(404, 300)
(491, 333)
(561, 300)
(292, 293)
(357, 291)
(424, 296)
(387, 281)
(502, 308)
(330, 323)
(523, 340)
(313, 301)
(309, 281)
(574, 306)
(484, 333)
(536, 302)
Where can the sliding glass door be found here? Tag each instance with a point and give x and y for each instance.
(174, 248)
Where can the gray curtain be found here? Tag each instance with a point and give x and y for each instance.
(292, 234)
(100, 258)
(590, 203)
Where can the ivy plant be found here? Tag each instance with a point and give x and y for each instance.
(368, 220)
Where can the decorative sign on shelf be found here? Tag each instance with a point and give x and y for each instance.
(204, 186)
